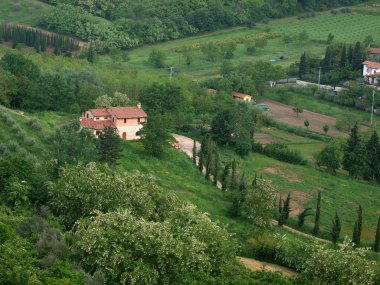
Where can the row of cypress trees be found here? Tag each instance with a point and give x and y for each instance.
(39, 40)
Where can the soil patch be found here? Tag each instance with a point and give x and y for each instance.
(256, 265)
(290, 176)
(285, 114)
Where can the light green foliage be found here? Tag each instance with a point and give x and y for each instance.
(258, 205)
(81, 190)
(104, 101)
(329, 157)
(118, 99)
(344, 265)
(155, 135)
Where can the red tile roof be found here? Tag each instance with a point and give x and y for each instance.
(99, 112)
(127, 112)
(240, 95)
(95, 125)
(372, 64)
(374, 50)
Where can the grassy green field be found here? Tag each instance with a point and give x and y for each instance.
(347, 28)
(22, 11)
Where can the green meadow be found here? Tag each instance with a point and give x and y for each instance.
(22, 11)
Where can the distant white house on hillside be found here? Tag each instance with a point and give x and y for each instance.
(371, 72)
(127, 120)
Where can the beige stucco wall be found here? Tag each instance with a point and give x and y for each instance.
(130, 131)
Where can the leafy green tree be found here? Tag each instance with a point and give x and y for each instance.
(155, 135)
(234, 176)
(104, 101)
(329, 157)
(325, 128)
(81, 190)
(185, 235)
(258, 203)
(157, 58)
(67, 145)
(336, 227)
(287, 208)
(109, 147)
(303, 215)
(345, 265)
(330, 38)
(306, 123)
(317, 216)
(91, 53)
(298, 110)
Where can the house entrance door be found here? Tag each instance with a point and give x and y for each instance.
(124, 136)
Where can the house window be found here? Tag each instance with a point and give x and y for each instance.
(97, 133)
(125, 121)
(113, 119)
(97, 118)
(87, 115)
(139, 120)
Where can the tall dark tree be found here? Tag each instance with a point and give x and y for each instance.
(317, 215)
(194, 152)
(343, 58)
(225, 176)
(376, 246)
(303, 67)
(360, 223)
(336, 228)
(350, 55)
(208, 164)
(90, 53)
(200, 163)
(234, 178)
(281, 214)
(357, 57)
(373, 155)
(216, 165)
(355, 157)
(109, 148)
(355, 234)
(287, 208)
(254, 181)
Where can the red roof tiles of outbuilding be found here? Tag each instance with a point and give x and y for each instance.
(99, 112)
(96, 125)
(127, 112)
(374, 50)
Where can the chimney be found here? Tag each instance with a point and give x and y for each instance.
(139, 105)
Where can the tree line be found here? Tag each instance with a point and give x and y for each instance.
(37, 39)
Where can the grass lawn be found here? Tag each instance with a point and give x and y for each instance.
(22, 11)
(339, 193)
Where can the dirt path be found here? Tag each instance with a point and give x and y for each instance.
(285, 114)
(256, 265)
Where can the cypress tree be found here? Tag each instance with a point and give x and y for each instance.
(373, 153)
(360, 223)
(336, 227)
(281, 215)
(376, 246)
(317, 215)
(327, 62)
(109, 148)
(355, 234)
(287, 207)
(225, 176)
(302, 66)
(254, 182)
(200, 163)
(194, 152)
(208, 164)
(354, 157)
(350, 55)
(343, 58)
(234, 183)
(216, 165)
(357, 57)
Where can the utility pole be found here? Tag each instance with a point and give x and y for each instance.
(319, 78)
(171, 72)
(373, 104)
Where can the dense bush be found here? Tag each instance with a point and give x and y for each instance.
(280, 151)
